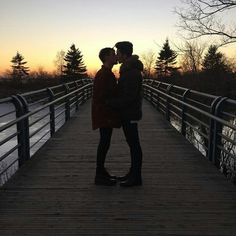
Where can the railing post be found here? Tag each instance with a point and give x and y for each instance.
(147, 93)
(86, 94)
(216, 137)
(67, 103)
(158, 97)
(151, 96)
(52, 111)
(151, 93)
(77, 97)
(167, 102)
(183, 115)
(26, 127)
(21, 106)
(82, 95)
(211, 129)
(156, 82)
(90, 91)
(20, 126)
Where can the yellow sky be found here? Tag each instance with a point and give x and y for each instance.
(39, 29)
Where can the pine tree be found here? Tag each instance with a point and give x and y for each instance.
(18, 68)
(165, 63)
(217, 71)
(214, 62)
(74, 68)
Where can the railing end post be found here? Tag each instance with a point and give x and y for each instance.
(22, 108)
(167, 102)
(183, 115)
(67, 103)
(216, 139)
(52, 112)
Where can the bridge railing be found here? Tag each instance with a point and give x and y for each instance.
(28, 120)
(207, 121)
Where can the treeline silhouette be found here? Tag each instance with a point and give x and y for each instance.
(9, 87)
(210, 72)
(69, 67)
(221, 85)
(198, 68)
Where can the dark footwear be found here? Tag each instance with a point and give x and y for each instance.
(104, 173)
(108, 175)
(101, 180)
(123, 178)
(132, 181)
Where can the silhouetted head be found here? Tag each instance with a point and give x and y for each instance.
(124, 50)
(108, 56)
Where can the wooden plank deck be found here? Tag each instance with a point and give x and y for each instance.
(54, 194)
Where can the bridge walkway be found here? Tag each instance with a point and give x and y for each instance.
(54, 193)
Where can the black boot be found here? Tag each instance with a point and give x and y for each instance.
(125, 177)
(133, 180)
(104, 178)
(105, 173)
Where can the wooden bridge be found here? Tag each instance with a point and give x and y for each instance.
(183, 193)
(54, 192)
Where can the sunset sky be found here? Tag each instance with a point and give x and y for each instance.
(38, 29)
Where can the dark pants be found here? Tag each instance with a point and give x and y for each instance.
(103, 146)
(132, 138)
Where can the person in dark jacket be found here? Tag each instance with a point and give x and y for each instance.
(103, 117)
(129, 105)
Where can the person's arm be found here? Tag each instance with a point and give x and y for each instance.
(129, 91)
(101, 89)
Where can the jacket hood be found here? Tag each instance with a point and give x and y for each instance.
(132, 63)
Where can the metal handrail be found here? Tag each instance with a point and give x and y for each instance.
(189, 110)
(72, 97)
(5, 100)
(9, 124)
(194, 108)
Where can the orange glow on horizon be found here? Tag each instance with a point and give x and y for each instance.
(47, 64)
(37, 58)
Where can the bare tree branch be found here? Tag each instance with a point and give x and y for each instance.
(148, 59)
(191, 53)
(203, 18)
